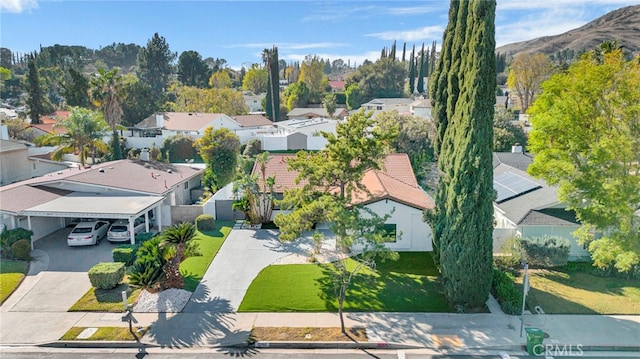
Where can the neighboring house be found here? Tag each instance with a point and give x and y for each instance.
(400, 104)
(336, 86)
(528, 207)
(124, 189)
(254, 102)
(298, 134)
(153, 130)
(18, 161)
(47, 129)
(392, 191)
(320, 112)
(421, 108)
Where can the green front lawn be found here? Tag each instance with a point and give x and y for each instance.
(193, 268)
(11, 275)
(565, 291)
(409, 284)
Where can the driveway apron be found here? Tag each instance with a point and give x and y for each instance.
(243, 255)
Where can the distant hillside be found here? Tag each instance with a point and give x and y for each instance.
(622, 25)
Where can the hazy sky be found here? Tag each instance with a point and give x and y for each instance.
(239, 30)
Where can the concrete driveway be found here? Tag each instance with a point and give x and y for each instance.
(58, 278)
(243, 255)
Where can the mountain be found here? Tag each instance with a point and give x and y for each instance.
(622, 25)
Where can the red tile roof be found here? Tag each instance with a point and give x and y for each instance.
(395, 181)
(49, 128)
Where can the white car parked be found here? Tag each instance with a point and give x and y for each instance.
(119, 230)
(87, 233)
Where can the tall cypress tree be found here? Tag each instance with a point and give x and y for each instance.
(421, 73)
(404, 51)
(36, 100)
(272, 106)
(463, 98)
(392, 53)
(412, 70)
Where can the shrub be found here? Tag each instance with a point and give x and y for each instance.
(510, 254)
(147, 270)
(546, 251)
(22, 249)
(252, 147)
(205, 222)
(178, 148)
(125, 253)
(144, 236)
(106, 275)
(505, 292)
(11, 236)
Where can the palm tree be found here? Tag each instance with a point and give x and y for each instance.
(104, 93)
(83, 134)
(177, 237)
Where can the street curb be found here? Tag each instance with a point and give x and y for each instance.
(332, 345)
(97, 344)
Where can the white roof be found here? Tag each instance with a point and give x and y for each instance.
(94, 205)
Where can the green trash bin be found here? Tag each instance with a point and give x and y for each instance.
(535, 337)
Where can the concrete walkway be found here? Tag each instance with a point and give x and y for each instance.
(243, 255)
(210, 320)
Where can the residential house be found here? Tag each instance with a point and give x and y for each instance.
(18, 161)
(254, 102)
(528, 207)
(124, 189)
(336, 86)
(392, 191)
(308, 113)
(421, 107)
(153, 130)
(400, 104)
(298, 134)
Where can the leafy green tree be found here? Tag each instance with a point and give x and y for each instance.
(37, 102)
(586, 139)
(505, 133)
(255, 80)
(179, 239)
(382, 79)
(463, 106)
(137, 101)
(193, 99)
(412, 70)
(329, 103)
(414, 136)
(155, 65)
(192, 70)
(355, 97)
(220, 149)
(76, 89)
(526, 73)
(220, 80)
(84, 129)
(421, 73)
(296, 95)
(312, 76)
(257, 192)
(105, 90)
(179, 148)
(332, 177)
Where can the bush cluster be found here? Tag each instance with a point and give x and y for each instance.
(205, 222)
(125, 253)
(506, 293)
(106, 275)
(147, 270)
(10, 237)
(545, 251)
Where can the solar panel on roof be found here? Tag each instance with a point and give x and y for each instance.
(510, 185)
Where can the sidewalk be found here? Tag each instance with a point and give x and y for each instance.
(204, 326)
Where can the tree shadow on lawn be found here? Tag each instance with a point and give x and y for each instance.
(551, 303)
(208, 322)
(586, 281)
(385, 291)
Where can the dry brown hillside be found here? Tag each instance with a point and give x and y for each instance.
(622, 25)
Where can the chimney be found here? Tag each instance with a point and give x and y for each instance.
(516, 148)
(144, 154)
(159, 120)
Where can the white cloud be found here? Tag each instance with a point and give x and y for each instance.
(18, 6)
(414, 10)
(544, 23)
(505, 5)
(352, 58)
(423, 33)
(285, 46)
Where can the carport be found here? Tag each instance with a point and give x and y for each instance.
(99, 206)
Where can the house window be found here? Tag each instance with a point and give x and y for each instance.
(379, 108)
(389, 232)
(186, 185)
